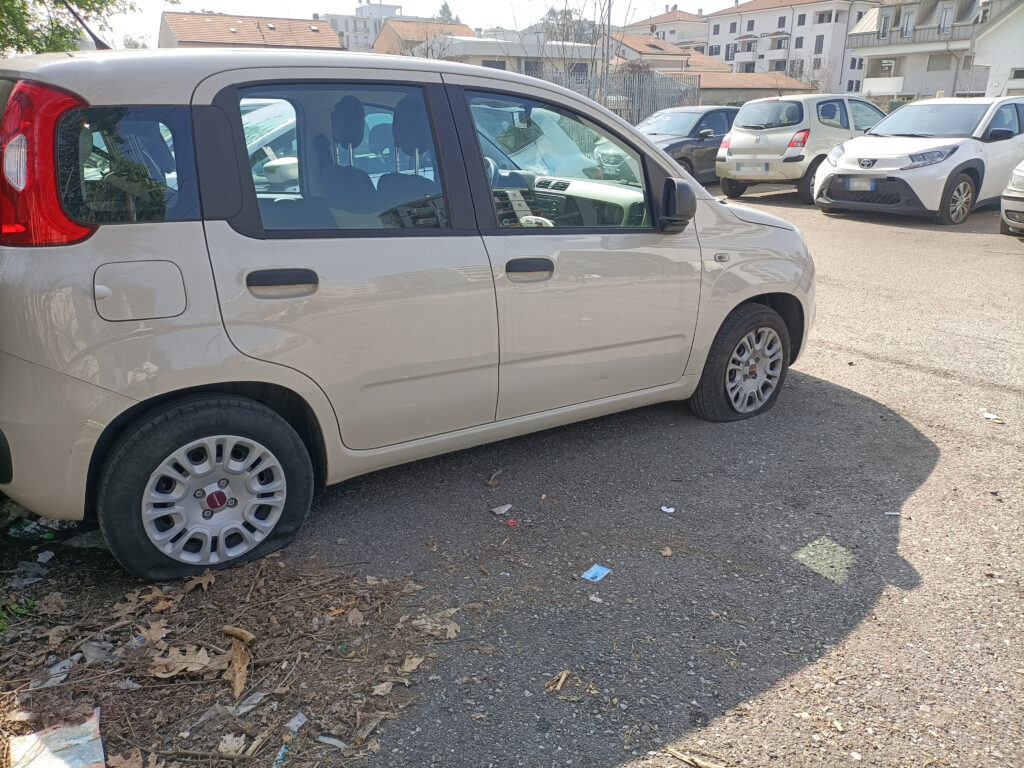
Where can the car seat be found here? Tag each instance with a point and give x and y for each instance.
(829, 114)
(411, 131)
(348, 191)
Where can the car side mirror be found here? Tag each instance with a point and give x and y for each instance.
(1000, 134)
(678, 206)
(706, 133)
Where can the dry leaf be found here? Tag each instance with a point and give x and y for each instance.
(411, 587)
(495, 480)
(134, 760)
(411, 663)
(163, 605)
(432, 545)
(58, 634)
(231, 744)
(383, 689)
(373, 746)
(238, 671)
(52, 605)
(355, 617)
(190, 658)
(666, 551)
(128, 607)
(451, 630)
(203, 580)
(153, 635)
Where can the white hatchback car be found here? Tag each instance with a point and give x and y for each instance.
(937, 157)
(186, 351)
(783, 140)
(1011, 209)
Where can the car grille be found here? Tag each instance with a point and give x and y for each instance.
(885, 193)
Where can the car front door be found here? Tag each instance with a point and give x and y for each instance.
(706, 148)
(367, 272)
(864, 115)
(1002, 156)
(593, 301)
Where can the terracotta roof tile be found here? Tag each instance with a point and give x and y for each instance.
(666, 18)
(772, 80)
(216, 29)
(420, 31)
(761, 5)
(649, 45)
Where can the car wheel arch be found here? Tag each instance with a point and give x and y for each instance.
(791, 310)
(974, 168)
(286, 403)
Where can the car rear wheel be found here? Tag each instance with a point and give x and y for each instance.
(203, 483)
(957, 200)
(805, 187)
(746, 366)
(732, 188)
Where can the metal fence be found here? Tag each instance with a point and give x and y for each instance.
(632, 95)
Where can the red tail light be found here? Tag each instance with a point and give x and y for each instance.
(30, 208)
(800, 138)
(725, 140)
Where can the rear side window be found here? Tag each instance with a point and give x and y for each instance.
(127, 164)
(760, 115)
(833, 113)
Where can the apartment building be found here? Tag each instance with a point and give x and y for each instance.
(920, 48)
(674, 26)
(358, 31)
(803, 39)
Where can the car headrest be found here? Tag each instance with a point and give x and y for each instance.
(381, 138)
(828, 111)
(348, 121)
(410, 127)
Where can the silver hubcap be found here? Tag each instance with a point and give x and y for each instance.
(213, 499)
(754, 369)
(960, 201)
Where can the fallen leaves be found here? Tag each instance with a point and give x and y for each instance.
(383, 689)
(554, 685)
(231, 744)
(204, 580)
(355, 617)
(190, 658)
(412, 663)
(153, 635)
(52, 605)
(57, 635)
(238, 668)
(437, 624)
(666, 551)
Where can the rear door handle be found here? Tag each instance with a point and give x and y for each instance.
(282, 283)
(529, 269)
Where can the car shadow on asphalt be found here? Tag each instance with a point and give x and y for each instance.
(784, 536)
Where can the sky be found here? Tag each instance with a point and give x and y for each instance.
(145, 23)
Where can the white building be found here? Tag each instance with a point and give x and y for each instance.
(673, 26)
(358, 31)
(804, 39)
(920, 48)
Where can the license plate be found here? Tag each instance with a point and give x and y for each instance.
(753, 167)
(860, 185)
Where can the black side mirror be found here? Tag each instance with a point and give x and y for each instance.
(706, 133)
(1000, 134)
(678, 206)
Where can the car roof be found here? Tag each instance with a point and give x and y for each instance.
(696, 109)
(804, 97)
(983, 100)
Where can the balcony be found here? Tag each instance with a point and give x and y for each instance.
(746, 55)
(917, 36)
(882, 86)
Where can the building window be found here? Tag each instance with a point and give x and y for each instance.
(939, 62)
(779, 65)
(782, 21)
(801, 19)
(730, 51)
(531, 67)
(860, 15)
(796, 68)
(714, 29)
(1017, 74)
(856, 87)
(671, 32)
(884, 31)
(732, 27)
(853, 63)
(819, 43)
(748, 67)
(947, 19)
(816, 64)
(750, 25)
(782, 44)
(714, 50)
(908, 24)
(493, 64)
(824, 17)
(849, 86)
(751, 46)
(798, 43)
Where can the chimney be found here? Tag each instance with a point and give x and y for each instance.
(479, 31)
(700, 12)
(316, 17)
(666, 9)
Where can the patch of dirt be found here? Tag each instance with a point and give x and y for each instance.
(174, 667)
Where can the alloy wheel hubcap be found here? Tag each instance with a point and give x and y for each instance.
(754, 370)
(213, 499)
(960, 201)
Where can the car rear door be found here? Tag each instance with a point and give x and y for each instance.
(365, 271)
(706, 149)
(593, 301)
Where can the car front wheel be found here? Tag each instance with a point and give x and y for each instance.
(746, 366)
(957, 200)
(203, 483)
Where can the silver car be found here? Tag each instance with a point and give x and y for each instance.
(189, 348)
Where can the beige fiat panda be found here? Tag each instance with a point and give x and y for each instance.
(230, 277)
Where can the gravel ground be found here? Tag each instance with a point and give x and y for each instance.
(844, 579)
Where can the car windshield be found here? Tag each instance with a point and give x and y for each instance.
(671, 123)
(938, 120)
(760, 115)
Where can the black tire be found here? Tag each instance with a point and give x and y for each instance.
(831, 209)
(805, 187)
(146, 444)
(1004, 229)
(732, 188)
(946, 215)
(710, 401)
(687, 166)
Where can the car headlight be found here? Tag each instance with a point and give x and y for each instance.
(1017, 180)
(931, 157)
(835, 154)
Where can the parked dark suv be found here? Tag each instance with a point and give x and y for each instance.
(691, 135)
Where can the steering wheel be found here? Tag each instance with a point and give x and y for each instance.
(492, 172)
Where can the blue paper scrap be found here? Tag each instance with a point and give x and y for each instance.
(596, 572)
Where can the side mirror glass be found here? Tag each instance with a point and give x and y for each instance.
(706, 133)
(678, 206)
(1000, 134)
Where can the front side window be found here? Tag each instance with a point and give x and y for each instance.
(127, 164)
(549, 167)
(1006, 119)
(330, 156)
(833, 113)
(715, 121)
(864, 115)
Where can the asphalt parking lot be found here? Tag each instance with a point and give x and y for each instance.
(844, 579)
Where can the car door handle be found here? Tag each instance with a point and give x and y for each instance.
(529, 269)
(282, 283)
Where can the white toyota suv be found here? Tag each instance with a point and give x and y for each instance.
(188, 348)
(937, 157)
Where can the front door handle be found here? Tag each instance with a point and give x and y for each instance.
(529, 270)
(282, 283)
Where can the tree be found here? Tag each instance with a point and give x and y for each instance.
(445, 15)
(130, 42)
(36, 26)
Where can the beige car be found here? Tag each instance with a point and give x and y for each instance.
(230, 277)
(783, 140)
